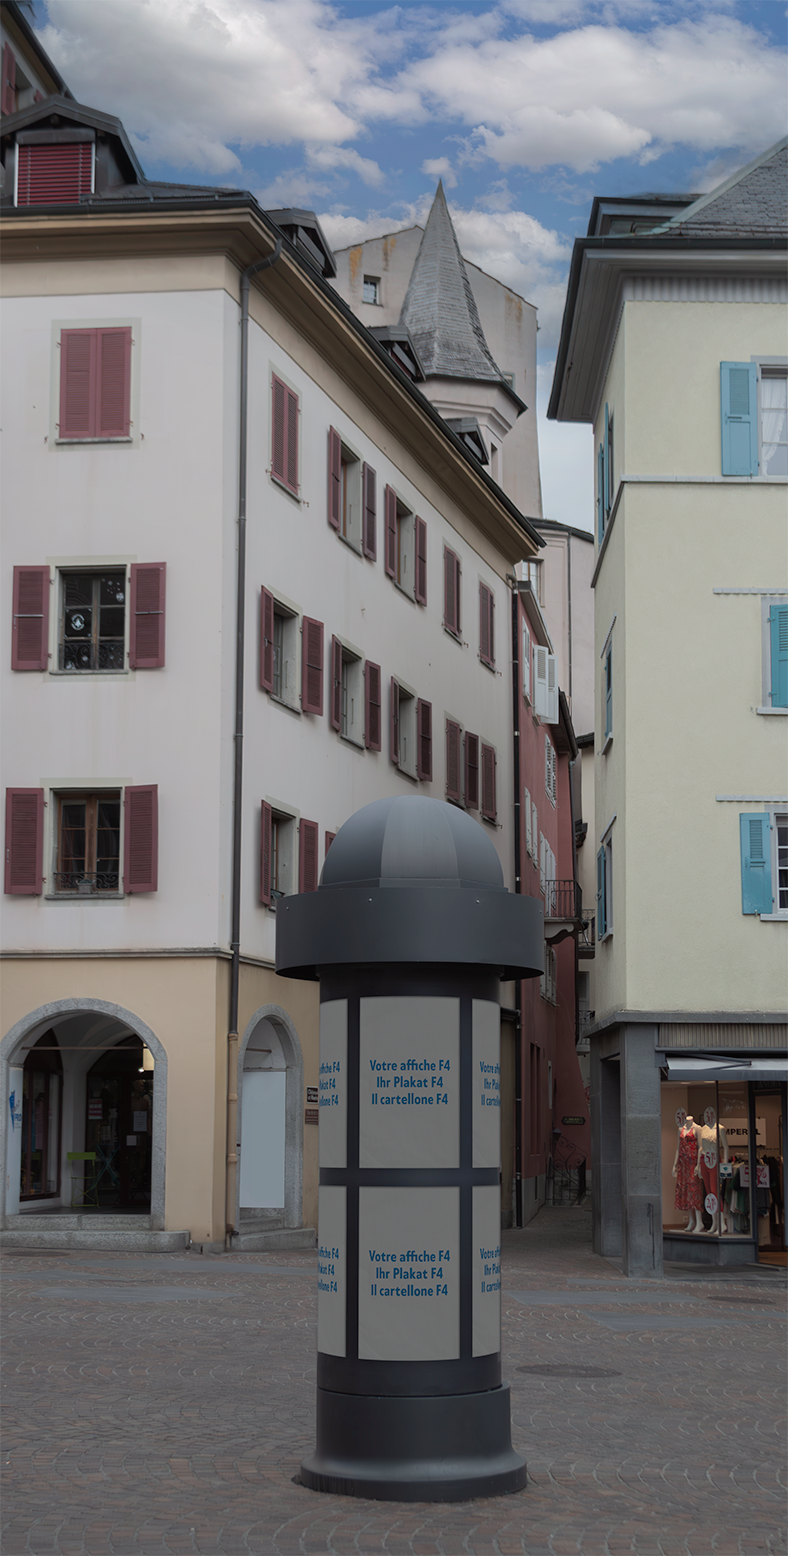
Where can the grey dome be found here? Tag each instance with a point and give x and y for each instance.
(410, 841)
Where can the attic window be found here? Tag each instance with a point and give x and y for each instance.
(55, 173)
(371, 292)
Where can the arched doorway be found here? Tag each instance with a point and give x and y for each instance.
(118, 1120)
(270, 1121)
(42, 1096)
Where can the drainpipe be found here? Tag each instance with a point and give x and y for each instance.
(231, 1175)
(518, 886)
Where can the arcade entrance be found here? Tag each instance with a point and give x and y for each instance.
(119, 1108)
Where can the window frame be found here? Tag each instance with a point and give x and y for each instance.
(776, 815)
(767, 367)
(56, 794)
(61, 575)
(132, 322)
(285, 821)
(288, 613)
(408, 698)
(604, 893)
(371, 281)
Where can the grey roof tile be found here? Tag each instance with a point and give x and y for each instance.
(439, 307)
(751, 204)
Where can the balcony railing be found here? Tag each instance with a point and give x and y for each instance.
(562, 900)
(86, 882)
(586, 939)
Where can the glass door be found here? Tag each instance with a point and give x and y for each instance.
(769, 1188)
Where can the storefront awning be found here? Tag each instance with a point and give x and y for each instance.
(687, 1067)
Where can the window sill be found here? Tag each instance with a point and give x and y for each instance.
(487, 665)
(773, 712)
(283, 487)
(773, 918)
(281, 702)
(79, 442)
(408, 593)
(78, 896)
(351, 543)
(607, 745)
(456, 637)
(608, 935)
(89, 675)
(350, 740)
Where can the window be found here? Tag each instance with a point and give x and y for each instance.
(776, 653)
(280, 629)
(608, 694)
(452, 575)
(87, 843)
(550, 770)
(51, 172)
(285, 412)
(372, 706)
(453, 768)
(529, 845)
(548, 983)
(774, 421)
(486, 626)
(526, 662)
(604, 477)
(92, 621)
(764, 863)
(42, 1088)
(471, 772)
(547, 863)
(604, 890)
(531, 573)
(488, 764)
(347, 692)
(281, 868)
(345, 491)
(545, 685)
(92, 618)
(95, 385)
(410, 731)
(371, 290)
(754, 418)
(406, 548)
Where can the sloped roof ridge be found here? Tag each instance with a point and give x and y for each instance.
(440, 309)
(753, 200)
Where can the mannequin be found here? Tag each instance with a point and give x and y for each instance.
(689, 1189)
(708, 1168)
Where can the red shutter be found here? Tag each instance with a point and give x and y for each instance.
(78, 383)
(486, 626)
(291, 468)
(421, 562)
(54, 175)
(307, 856)
(488, 783)
(424, 740)
(265, 855)
(453, 737)
(311, 666)
(471, 772)
(30, 628)
(451, 591)
(277, 428)
(336, 684)
(372, 706)
(334, 479)
(8, 91)
(266, 641)
(147, 590)
(370, 537)
(394, 722)
(141, 841)
(329, 839)
(24, 842)
(114, 383)
(391, 533)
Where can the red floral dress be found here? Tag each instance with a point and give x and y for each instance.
(689, 1189)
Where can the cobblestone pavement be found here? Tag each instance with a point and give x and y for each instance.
(162, 1405)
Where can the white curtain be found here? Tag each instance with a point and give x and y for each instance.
(774, 425)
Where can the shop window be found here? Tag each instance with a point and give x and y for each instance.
(707, 1157)
(42, 1090)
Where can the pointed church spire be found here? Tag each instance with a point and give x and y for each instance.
(439, 307)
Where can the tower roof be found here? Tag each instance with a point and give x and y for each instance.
(439, 307)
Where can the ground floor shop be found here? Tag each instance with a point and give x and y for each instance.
(689, 1139)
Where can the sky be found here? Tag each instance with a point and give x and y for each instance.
(525, 108)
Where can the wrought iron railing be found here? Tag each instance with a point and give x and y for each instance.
(562, 899)
(86, 882)
(586, 939)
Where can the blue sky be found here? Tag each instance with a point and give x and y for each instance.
(526, 108)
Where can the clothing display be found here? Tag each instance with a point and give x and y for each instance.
(689, 1188)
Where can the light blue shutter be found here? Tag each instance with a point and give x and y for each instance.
(778, 619)
(756, 863)
(739, 417)
(606, 462)
(601, 927)
(600, 492)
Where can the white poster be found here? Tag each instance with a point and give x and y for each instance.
(486, 1084)
(486, 1270)
(331, 1249)
(332, 1087)
(409, 1082)
(737, 1131)
(409, 1274)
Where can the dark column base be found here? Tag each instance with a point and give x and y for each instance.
(444, 1449)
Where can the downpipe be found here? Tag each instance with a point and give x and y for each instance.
(518, 886)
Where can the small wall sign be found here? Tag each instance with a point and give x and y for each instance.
(312, 1095)
(573, 1118)
(311, 1115)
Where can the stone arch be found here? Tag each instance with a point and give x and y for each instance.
(294, 1108)
(30, 1027)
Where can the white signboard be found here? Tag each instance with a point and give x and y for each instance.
(409, 1082)
(486, 1084)
(738, 1131)
(486, 1270)
(409, 1274)
(331, 1252)
(332, 1087)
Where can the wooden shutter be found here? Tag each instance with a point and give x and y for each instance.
(369, 497)
(8, 95)
(311, 666)
(489, 810)
(372, 706)
(334, 479)
(391, 533)
(756, 863)
(424, 740)
(606, 463)
(486, 626)
(471, 772)
(608, 692)
(278, 435)
(265, 855)
(540, 681)
(394, 722)
(266, 640)
(147, 592)
(778, 623)
(552, 689)
(739, 418)
(527, 808)
(54, 175)
(30, 625)
(78, 383)
(307, 855)
(453, 738)
(420, 590)
(451, 591)
(526, 663)
(291, 478)
(600, 493)
(329, 839)
(601, 926)
(24, 842)
(336, 684)
(141, 841)
(113, 394)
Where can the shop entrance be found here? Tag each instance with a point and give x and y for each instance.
(769, 1111)
(119, 1109)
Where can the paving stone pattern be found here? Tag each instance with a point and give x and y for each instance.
(178, 1426)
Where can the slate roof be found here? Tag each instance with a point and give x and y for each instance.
(439, 307)
(751, 204)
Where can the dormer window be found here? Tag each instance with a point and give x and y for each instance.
(54, 167)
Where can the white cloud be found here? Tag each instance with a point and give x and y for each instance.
(566, 461)
(440, 167)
